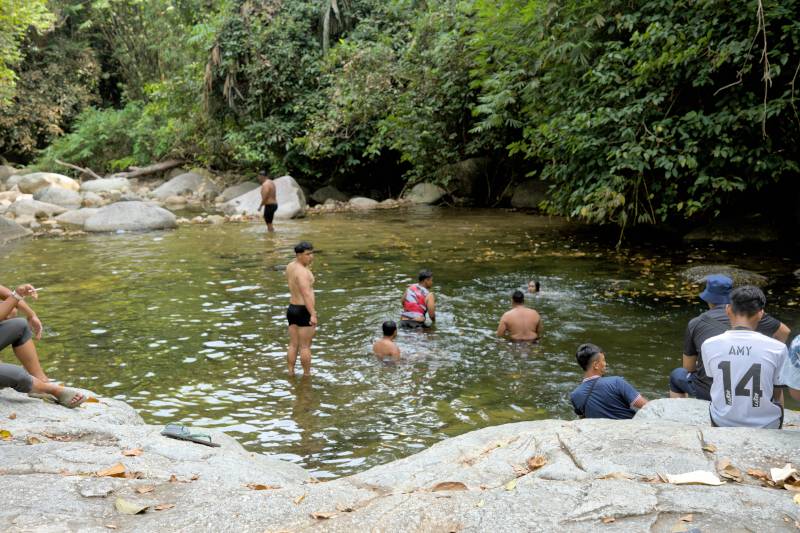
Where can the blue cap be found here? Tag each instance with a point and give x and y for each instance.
(718, 289)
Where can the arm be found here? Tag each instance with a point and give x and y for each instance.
(33, 320)
(9, 302)
(539, 327)
(430, 302)
(690, 362)
(502, 327)
(639, 402)
(308, 296)
(782, 333)
(795, 393)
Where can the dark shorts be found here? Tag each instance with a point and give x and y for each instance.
(269, 212)
(15, 377)
(411, 324)
(680, 380)
(14, 331)
(298, 315)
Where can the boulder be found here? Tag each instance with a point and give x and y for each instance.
(175, 200)
(106, 185)
(11, 196)
(130, 196)
(130, 216)
(35, 209)
(693, 412)
(529, 194)
(6, 172)
(11, 230)
(58, 196)
(91, 199)
(360, 202)
(740, 276)
(30, 183)
(189, 183)
(26, 221)
(215, 219)
(329, 192)
(467, 178)
(234, 191)
(425, 193)
(291, 201)
(77, 217)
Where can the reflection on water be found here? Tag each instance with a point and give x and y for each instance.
(190, 326)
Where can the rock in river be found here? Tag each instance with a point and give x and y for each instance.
(10, 230)
(59, 196)
(187, 184)
(291, 201)
(425, 193)
(740, 276)
(30, 183)
(130, 216)
(106, 185)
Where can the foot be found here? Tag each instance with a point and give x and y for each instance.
(71, 398)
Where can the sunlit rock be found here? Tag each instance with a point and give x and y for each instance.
(130, 216)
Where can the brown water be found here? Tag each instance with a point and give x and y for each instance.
(189, 325)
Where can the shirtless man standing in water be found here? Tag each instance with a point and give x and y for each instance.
(521, 323)
(268, 199)
(301, 314)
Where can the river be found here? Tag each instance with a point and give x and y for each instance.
(189, 325)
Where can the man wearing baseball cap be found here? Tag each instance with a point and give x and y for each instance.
(691, 379)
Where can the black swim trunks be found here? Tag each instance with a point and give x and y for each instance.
(298, 315)
(269, 212)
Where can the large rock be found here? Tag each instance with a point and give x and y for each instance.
(11, 230)
(188, 184)
(329, 192)
(424, 193)
(467, 178)
(30, 183)
(234, 191)
(361, 202)
(77, 217)
(58, 196)
(529, 194)
(596, 475)
(106, 185)
(130, 216)
(693, 412)
(35, 208)
(291, 201)
(740, 276)
(6, 172)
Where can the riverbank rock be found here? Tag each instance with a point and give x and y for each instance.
(329, 192)
(30, 183)
(695, 412)
(291, 201)
(35, 208)
(77, 217)
(130, 216)
(234, 191)
(735, 230)
(546, 475)
(360, 202)
(189, 183)
(740, 276)
(6, 171)
(11, 230)
(529, 194)
(467, 179)
(58, 196)
(425, 193)
(106, 185)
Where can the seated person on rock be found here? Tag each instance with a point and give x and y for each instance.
(790, 373)
(745, 367)
(386, 347)
(17, 377)
(18, 332)
(691, 379)
(521, 323)
(599, 396)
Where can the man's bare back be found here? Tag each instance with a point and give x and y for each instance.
(520, 323)
(268, 192)
(386, 347)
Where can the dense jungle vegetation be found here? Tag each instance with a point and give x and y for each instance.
(632, 112)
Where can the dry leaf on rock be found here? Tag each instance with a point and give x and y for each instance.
(5, 434)
(194, 477)
(132, 453)
(145, 489)
(91, 399)
(164, 506)
(173, 478)
(537, 461)
(126, 507)
(299, 499)
(133, 475)
(258, 486)
(12, 416)
(726, 470)
(118, 470)
(687, 518)
(697, 477)
(520, 471)
(30, 439)
(449, 485)
(322, 516)
(344, 508)
(710, 448)
(480, 504)
(511, 485)
(111, 526)
(609, 519)
(620, 475)
(779, 474)
(758, 474)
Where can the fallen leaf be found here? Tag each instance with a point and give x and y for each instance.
(344, 508)
(710, 448)
(618, 475)
(449, 485)
(511, 485)
(32, 440)
(126, 507)
(322, 516)
(726, 470)
(299, 499)
(134, 475)
(609, 519)
(758, 474)
(194, 477)
(111, 526)
(779, 474)
(5, 434)
(687, 518)
(91, 399)
(12, 416)
(145, 489)
(164, 506)
(173, 478)
(480, 504)
(698, 477)
(258, 486)
(520, 471)
(118, 470)
(132, 453)
(537, 461)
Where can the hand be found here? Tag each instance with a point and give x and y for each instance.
(26, 290)
(36, 326)
(313, 319)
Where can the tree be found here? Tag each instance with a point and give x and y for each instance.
(16, 18)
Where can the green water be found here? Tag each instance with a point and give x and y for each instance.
(189, 325)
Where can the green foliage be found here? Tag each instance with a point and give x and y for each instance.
(16, 18)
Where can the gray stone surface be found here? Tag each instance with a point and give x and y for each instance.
(424, 193)
(35, 208)
(130, 216)
(595, 470)
(11, 230)
(106, 185)
(360, 202)
(58, 196)
(329, 192)
(291, 201)
(188, 184)
(694, 412)
(6, 171)
(76, 217)
(30, 183)
(740, 276)
(529, 194)
(237, 190)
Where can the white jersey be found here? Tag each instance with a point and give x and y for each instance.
(744, 365)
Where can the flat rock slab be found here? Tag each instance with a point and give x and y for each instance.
(740, 276)
(130, 216)
(106, 185)
(30, 183)
(11, 231)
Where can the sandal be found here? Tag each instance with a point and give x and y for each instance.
(177, 431)
(68, 395)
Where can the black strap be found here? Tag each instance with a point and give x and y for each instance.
(582, 412)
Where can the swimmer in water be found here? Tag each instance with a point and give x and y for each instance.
(521, 323)
(386, 347)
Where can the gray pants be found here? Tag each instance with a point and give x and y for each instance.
(15, 377)
(15, 332)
